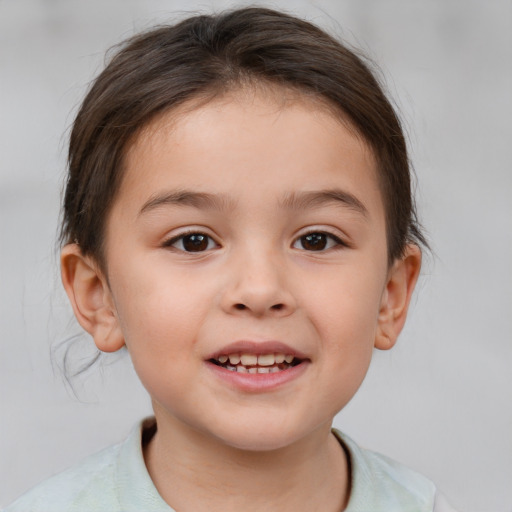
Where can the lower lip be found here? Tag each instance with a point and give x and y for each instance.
(258, 382)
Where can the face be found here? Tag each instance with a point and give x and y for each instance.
(247, 267)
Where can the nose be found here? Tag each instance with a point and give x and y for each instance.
(257, 286)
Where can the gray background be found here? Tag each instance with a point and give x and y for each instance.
(441, 400)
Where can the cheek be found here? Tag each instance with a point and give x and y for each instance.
(158, 315)
(344, 314)
(160, 333)
(346, 305)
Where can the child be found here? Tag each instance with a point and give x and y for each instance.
(238, 214)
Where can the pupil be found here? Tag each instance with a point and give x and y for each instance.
(314, 241)
(195, 243)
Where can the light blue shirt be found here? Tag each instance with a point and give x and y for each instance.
(116, 480)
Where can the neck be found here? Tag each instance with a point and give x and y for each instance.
(192, 472)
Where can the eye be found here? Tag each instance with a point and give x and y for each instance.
(192, 242)
(317, 241)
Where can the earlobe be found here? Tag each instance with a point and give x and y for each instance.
(91, 299)
(396, 297)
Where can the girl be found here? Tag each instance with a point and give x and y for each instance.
(238, 214)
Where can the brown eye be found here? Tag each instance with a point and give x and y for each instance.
(314, 242)
(192, 242)
(317, 242)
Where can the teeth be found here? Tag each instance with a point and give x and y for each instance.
(266, 360)
(234, 358)
(255, 369)
(252, 363)
(249, 359)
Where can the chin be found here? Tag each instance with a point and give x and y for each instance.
(261, 438)
(253, 444)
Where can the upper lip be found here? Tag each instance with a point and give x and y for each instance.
(257, 348)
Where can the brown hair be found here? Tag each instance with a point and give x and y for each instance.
(206, 55)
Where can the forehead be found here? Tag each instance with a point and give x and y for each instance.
(250, 129)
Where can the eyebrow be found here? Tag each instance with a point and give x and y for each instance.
(201, 200)
(292, 201)
(305, 200)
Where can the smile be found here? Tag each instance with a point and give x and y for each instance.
(252, 363)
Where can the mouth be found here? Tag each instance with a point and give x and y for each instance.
(256, 364)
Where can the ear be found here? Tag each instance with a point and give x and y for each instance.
(396, 297)
(91, 299)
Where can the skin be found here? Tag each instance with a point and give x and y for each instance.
(220, 447)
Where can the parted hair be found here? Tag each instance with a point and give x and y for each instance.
(207, 55)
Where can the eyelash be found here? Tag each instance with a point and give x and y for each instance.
(327, 241)
(171, 243)
(331, 241)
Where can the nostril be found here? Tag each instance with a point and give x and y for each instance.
(240, 306)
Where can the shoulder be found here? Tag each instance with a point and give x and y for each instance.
(114, 479)
(81, 485)
(379, 483)
(76, 488)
